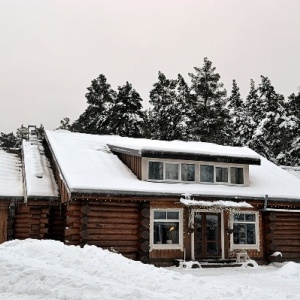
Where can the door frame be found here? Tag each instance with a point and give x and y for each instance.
(222, 231)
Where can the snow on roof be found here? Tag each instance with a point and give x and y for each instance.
(185, 147)
(10, 175)
(88, 166)
(292, 170)
(38, 174)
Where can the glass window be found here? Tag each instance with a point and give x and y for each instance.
(166, 231)
(237, 175)
(156, 170)
(206, 173)
(221, 174)
(244, 229)
(187, 172)
(172, 171)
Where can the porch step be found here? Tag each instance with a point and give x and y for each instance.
(218, 263)
(209, 263)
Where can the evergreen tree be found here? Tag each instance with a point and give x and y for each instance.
(126, 116)
(21, 134)
(165, 118)
(100, 99)
(269, 137)
(209, 119)
(237, 113)
(251, 116)
(8, 140)
(65, 124)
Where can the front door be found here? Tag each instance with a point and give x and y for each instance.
(207, 235)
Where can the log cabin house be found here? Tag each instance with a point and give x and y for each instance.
(157, 201)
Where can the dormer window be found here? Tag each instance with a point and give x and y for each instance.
(176, 171)
(187, 172)
(156, 169)
(237, 175)
(171, 171)
(207, 173)
(221, 175)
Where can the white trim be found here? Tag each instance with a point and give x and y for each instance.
(257, 236)
(166, 246)
(222, 232)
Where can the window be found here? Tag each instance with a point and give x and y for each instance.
(237, 175)
(172, 171)
(245, 229)
(156, 170)
(221, 174)
(187, 172)
(206, 173)
(166, 228)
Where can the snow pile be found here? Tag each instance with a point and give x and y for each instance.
(219, 203)
(10, 174)
(290, 269)
(34, 269)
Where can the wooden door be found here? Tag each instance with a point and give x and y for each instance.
(207, 235)
(3, 225)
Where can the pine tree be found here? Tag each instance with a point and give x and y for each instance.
(237, 113)
(126, 116)
(21, 134)
(8, 140)
(209, 120)
(65, 124)
(100, 99)
(269, 137)
(251, 115)
(165, 118)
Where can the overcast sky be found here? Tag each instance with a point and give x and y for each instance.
(51, 50)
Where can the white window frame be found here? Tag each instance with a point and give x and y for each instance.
(166, 246)
(245, 246)
(164, 162)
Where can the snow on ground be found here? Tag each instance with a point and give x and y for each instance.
(34, 269)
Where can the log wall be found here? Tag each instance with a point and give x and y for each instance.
(282, 233)
(111, 225)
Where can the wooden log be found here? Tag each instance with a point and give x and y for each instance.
(104, 237)
(145, 223)
(111, 226)
(72, 231)
(113, 209)
(125, 249)
(113, 231)
(146, 212)
(111, 243)
(145, 247)
(85, 209)
(115, 215)
(112, 221)
(145, 234)
(113, 203)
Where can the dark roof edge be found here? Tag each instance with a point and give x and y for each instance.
(108, 193)
(185, 155)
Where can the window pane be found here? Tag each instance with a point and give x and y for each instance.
(244, 234)
(239, 217)
(250, 217)
(173, 215)
(172, 171)
(237, 175)
(160, 215)
(166, 232)
(221, 174)
(187, 172)
(156, 170)
(206, 173)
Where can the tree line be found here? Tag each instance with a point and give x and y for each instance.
(264, 121)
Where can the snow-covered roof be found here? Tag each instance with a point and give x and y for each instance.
(147, 146)
(38, 173)
(10, 175)
(88, 166)
(292, 170)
